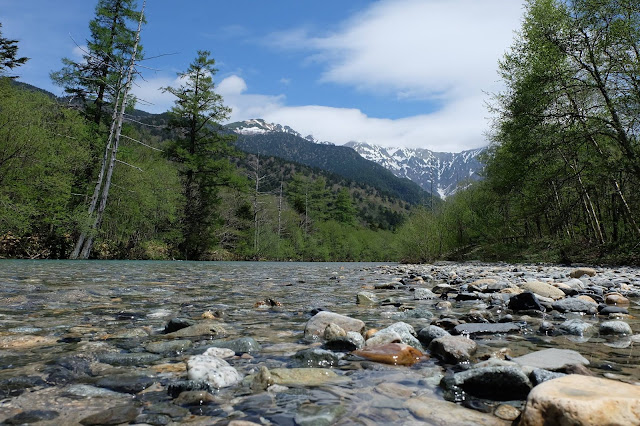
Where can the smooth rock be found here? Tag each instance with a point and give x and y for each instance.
(485, 328)
(613, 310)
(453, 349)
(26, 341)
(318, 415)
(366, 298)
(576, 327)
(348, 343)
(574, 304)
(176, 324)
(201, 328)
(33, 416)
(318, 323)
(316, 358)
(580, 272)
(172, 346)
(543, 289)
(391, 353)
(113, 416)
(128, 359)
(616, 299)
(87, 391)
(424, 294)
(539, 375)
(498, 383)
(127, 383)
(430, 332)
(176, 388)
(398, 332)
(525, 302)
(443, 413)
(506, 412)
(619, 328)
(243, 345)
(334, 331)
(213, 370)
(582, 400)
(194, 397)
(552, 359)
(295, 377)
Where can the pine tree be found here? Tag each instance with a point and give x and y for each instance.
(8, 54)
(95, 80)
(200, 148)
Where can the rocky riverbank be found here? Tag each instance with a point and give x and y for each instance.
(368, 344)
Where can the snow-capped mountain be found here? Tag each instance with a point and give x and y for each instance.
(259, 127)
(446, 171)
(441, 172)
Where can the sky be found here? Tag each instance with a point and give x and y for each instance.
(409, 73)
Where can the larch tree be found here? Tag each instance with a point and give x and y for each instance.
(9, 54)
(95, 80)
(200, 148)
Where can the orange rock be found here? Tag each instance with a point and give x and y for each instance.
(616, 299)
(391, 353)
(369, 333)
(587, 299)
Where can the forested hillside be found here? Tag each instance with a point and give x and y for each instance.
(563, 171)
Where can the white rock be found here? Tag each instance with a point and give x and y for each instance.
(213, 370)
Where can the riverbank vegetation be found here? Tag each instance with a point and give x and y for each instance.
(560, 182)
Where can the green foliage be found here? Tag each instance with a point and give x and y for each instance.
(9, 54)
(200, 150)
(94, 81)
(42, 147)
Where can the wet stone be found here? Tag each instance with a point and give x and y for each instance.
(127, 383)
(453, 349)
(177, 387)
(243, 345)
(113, 416)
(15, 386)
(318, 323)
(576, 327)
(430, 332)
(619, 328)
(524, 302)
(539, 375)
(128, 359)
(27, 417)
(316, 358)
(318, 415)
(551, 359)
(366, 298)
(486, 328)
(153, 419)
(499, 383)
(574, 304)
(176, 324)
(613, 310)
(164, 347)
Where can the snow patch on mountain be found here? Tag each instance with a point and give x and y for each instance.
(258, 126)
(443, 173)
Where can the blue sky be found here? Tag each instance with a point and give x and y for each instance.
(411, 73)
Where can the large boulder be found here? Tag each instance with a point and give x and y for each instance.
(582, 400)
(318, 323)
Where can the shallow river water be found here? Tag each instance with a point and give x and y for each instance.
(61, 322)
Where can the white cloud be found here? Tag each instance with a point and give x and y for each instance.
(443, 51)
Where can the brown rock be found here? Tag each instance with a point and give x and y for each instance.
(369, 333)
(543, 289)
(26, 341)
(391, 353)
(577, 273)
(506, 412)
(582, 400)
(587, 299)
(616, 299)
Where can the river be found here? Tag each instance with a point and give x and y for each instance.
(58, 319)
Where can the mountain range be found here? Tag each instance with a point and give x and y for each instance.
(440, 173)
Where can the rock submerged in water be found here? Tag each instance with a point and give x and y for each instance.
(399, 332)
(201, 328)
(497, 383)
(438, 412)
(318, 323)
(391, 353)
(552, 359)
(582, 400)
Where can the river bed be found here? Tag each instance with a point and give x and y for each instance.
(78, 338)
